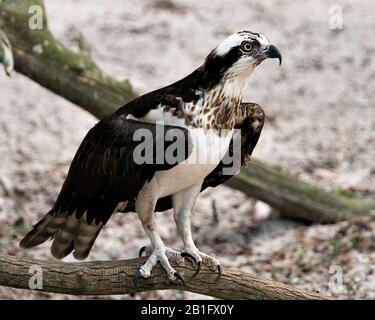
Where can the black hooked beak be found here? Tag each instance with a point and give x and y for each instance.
(273, 52)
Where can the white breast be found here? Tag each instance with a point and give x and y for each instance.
(207, 151)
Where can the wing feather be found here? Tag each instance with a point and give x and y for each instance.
(103, 171)
(250, 121)
(102, 174)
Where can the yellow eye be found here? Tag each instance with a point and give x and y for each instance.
(246, 46)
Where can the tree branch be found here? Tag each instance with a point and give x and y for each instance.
(295, 198)
(42, 58)
(116, 277)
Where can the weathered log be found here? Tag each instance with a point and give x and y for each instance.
(75, 76)
(116, 277)
(295, 198)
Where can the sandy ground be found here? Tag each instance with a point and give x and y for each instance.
(320, 126)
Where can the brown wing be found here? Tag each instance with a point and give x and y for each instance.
(103, 174)
(250, 122)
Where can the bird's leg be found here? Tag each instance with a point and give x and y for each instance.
(145, 206)
(183, 203)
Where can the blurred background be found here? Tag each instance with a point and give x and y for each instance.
(320, 127)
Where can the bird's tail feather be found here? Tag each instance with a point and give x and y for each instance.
(85, 238)
(68, 232)
(43, 230)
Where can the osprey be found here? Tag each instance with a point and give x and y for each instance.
(105, 177)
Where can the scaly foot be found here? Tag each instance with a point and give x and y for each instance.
(162, 255)
(174, 254)
(200, 256)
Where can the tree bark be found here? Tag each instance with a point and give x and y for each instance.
(42, 58)
(295, 198)
(116, 277)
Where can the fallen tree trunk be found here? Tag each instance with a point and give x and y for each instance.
(75, 77)
(42, 58)
(116, 277)
(295, 198)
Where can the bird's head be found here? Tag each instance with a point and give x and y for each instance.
(239, 54)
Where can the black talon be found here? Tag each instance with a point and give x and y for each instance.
(199, 267)
(190, 256)
(219, 272)
(136, 278)
(143, 249)
(179, 277)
